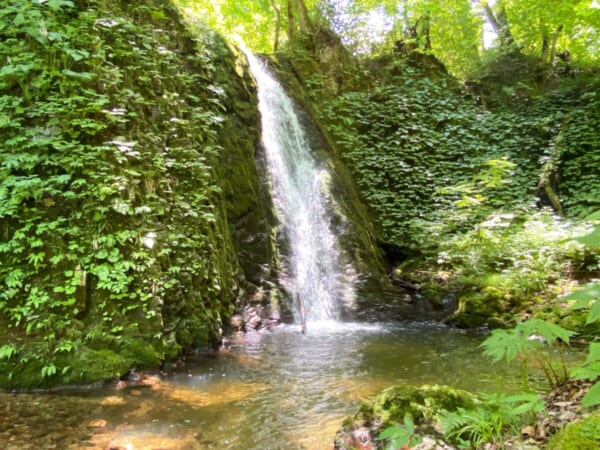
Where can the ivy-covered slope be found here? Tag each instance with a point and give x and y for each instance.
(116, 246)
(455, 188)
(418, 142)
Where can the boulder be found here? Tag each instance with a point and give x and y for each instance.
(422, 404)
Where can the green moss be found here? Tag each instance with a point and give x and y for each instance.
(475, 309)
(141, 353)
(83, 366)
(422, 404)
(434, 292)
(91, 366)
(581, 435)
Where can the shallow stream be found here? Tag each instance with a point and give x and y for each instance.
(277, 390)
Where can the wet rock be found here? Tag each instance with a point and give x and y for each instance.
(234, 340)
(528, 431)
(237, 322)
(254, 323)
(97, 423)
(112, 400)
(133, 376)
(252, 317)
(359, 439)
(432, 444)
(275, 317)
(150, 380)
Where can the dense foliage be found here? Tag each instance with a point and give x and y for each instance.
(455, 175)
(425, 139)
(114, 245)
(117, 197)
(464, 34)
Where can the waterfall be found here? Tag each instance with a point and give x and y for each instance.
(316, 274)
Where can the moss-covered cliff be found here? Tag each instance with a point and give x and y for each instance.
(128, 189)
(461, 180)
(377, 297)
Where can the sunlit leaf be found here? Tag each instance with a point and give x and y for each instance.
(594, 216)
(589, 292)
(82, 75)
(592, 397)
(549, 331)
(594, 313)
(592, 239)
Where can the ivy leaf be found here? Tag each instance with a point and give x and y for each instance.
(76, 54)
(81, 75)
(4, 120)
(55, 5)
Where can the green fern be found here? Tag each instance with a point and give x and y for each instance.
(534, 339)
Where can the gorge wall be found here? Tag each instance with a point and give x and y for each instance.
(130, 197)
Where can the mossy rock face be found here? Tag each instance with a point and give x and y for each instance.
(581, 435)
(85, 366)
(476, 309)
(141, 353)
(377, 298)
(91, 366)
(149, 233)
(241, 174)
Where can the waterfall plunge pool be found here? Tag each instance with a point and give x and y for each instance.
(279, 389)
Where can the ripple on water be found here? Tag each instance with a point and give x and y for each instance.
(281, 389)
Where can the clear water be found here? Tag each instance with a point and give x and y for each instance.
(278, 390)
(316, 271)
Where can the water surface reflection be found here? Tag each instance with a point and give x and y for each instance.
(279, 390)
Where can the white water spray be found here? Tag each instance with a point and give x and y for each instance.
(317, 274)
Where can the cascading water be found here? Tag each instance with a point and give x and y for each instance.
(317, 274)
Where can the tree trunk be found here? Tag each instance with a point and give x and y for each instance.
(425, 32)
(277, 24)
(549, 45)
(291, 25)
(553, 197)
(549, 176)
(302, 15)
(553, 45)
(499, 22)
(545, 56)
